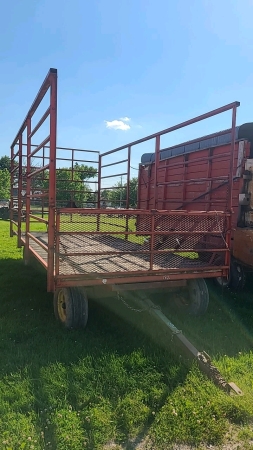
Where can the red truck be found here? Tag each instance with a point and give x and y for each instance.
(194, 175)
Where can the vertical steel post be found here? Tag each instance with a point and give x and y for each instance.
(72, 197)
(128, 176)
(152, 240)
(99, 190)
(99, 181)
(230, 188)
(43, 175)
(20, 149)
(28, 188)
(165, 185)
(139, 188)
(157, 158)
(128, 187)
(57, 244)
(231, 168)
(11, 193)
(52, 181)
(186, 157)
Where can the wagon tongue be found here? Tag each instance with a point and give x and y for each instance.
(183, 345)
(206, 366)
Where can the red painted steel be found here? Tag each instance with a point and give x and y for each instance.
(27, 174)
(177, 127)
(19, 188)
(13, 156)
(52, 180)
(208, 179)
(78, 280)
(28, 186)
(201, 193)
(116, 233)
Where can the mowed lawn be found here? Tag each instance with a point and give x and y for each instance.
(110, 386)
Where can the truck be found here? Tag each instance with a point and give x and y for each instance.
(196, 176)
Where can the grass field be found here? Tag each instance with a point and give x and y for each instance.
(110, 386)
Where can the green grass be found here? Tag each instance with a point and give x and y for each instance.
(76, 390)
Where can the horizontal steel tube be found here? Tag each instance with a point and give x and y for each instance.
(41, 169)
(31, 236)
(39, 219)
(144, 252)
(116, 175)
(105, 278)
(39, 147)
(41, 121)
(114, 164)
(177, 127)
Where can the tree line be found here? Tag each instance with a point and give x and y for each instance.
(71, 185)
(5, 179)
(117, 196)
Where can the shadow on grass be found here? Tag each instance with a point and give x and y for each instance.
(226, 328)
(110, 367)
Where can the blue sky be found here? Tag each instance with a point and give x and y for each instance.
(156, 62)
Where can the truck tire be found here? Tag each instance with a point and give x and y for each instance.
(71, 307)
(198, 297)
(236, 280)
(195, 299)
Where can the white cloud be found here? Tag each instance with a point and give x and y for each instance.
(125, 119)
(117, 125)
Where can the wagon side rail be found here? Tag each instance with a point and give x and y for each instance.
(25, 173)
(136, 245)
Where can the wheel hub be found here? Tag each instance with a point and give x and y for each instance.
(61, 306)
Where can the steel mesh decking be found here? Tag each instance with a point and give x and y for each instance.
(126, 242)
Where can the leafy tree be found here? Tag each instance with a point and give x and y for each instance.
(133, 192)
(5, 184)
(118, 196)
(85, 172)
(5, 163)
(69, 187)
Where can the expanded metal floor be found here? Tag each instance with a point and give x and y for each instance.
(102, 262)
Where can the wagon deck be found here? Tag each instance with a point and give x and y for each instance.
(109, 255)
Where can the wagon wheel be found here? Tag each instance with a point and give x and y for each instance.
(196, 298)
(71, 307)
(236, 279)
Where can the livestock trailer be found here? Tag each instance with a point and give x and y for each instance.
(196, 176)
(129, 248)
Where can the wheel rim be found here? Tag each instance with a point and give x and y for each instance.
(181, 300)
(61, 306)
(222, 281)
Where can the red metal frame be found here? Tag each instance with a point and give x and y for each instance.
(67, 229)
(49, 253)
(50, 83)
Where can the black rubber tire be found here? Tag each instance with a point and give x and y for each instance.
(71, 307)
(198, 297)
(237, 276)
(195, 299)
(236, 280)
